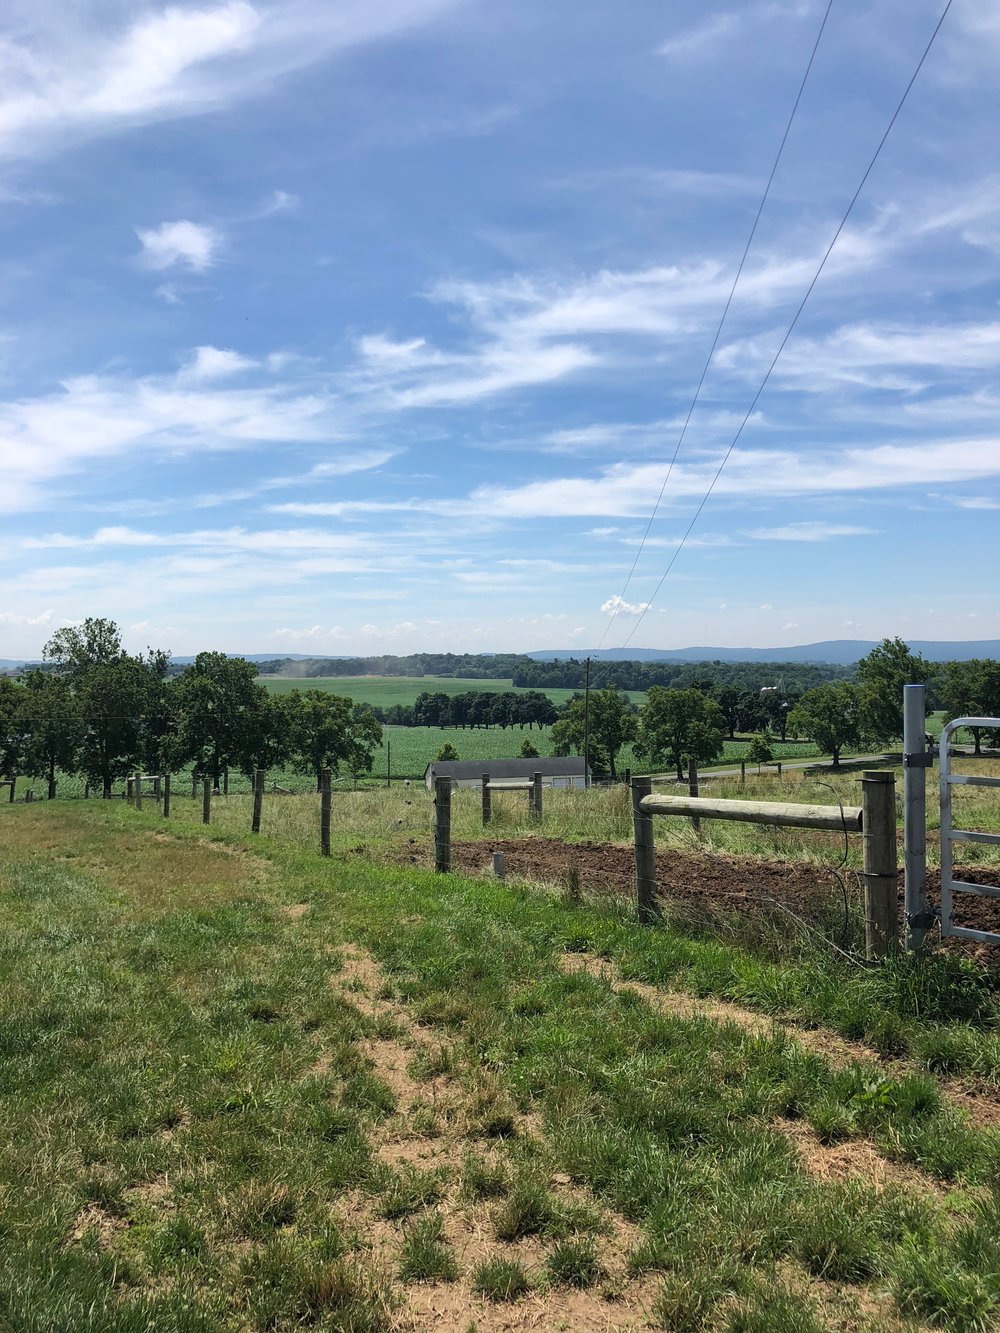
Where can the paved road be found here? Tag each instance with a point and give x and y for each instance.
(846, 766)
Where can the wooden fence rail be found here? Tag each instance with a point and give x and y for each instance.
(875, 819)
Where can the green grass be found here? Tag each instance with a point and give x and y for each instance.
(384, 691)
(194, 1136)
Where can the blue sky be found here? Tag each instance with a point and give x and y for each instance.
(346, 326)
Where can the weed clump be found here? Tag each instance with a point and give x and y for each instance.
(427, 1255)
(500, 1280)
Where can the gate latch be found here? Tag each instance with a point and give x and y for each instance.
(923, 760)
(921, 920)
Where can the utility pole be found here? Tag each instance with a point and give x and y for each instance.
(586, 727)
(388, 762)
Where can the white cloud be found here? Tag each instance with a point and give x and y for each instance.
(70, 73)
(716, 30)
(809, 532)
(183, 243)
(618, 606)
(624, 489)
(47, 439)
(213, 363)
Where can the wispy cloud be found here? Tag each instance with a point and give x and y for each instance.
(807, 531)
(172, 61)
(186, 244)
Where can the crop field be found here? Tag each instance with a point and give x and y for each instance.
(384, 691)
(246, 1088)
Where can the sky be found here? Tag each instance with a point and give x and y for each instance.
(371, 326)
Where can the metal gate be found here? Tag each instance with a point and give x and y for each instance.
(950, 835)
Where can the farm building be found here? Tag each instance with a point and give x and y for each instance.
(568, 772)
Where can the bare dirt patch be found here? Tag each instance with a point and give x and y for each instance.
(714, 886)
(614, 1303)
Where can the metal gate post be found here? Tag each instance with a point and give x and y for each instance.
(916, 760)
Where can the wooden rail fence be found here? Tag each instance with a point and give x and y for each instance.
(875, 819)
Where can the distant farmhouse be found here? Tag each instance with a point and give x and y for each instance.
(568, 772)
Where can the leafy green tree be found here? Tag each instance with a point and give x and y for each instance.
(830, 715)
(614, 722)
(678, 725)
(728, 698)
(446, 754)
(328, 730)
(77, 649)
(223, 715)
(759, 751)
(971, 689)
(528, 751)
(880, 678)
(11, 737)
(114, 700)
(50, 722)
(118, 698)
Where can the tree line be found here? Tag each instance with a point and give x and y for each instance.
(101, 713)
(677, 725)
(473, 709)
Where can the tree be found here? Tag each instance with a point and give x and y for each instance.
(11, 738)
(77, 649)
(224, 715)
(614, 721)
(328, 730)
(728, 698)
(446, 754)
(50, 722)
(880, 679)
(528, 751)
(759, 751)
(678, 725)
(830, 715)
(971, 689)
(114, 699)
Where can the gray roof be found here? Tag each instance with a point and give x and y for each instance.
(462, 769)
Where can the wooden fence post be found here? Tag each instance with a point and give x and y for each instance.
(13, 784)
(206, 801)
(645, 859)
(487, 801)
(258, 799)
(129, 789)
(743, 771)
(693, 790)
(166, 796)
(194, 784)
(225, 781)
(779, 768)
(137, 790)
(878, 818)
(86, 791)
(157, 787)
(442, 825)
(324, 812)
(536, 795)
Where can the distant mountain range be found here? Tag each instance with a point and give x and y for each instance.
(837, 652)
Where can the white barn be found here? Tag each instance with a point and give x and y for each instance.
(568, 772)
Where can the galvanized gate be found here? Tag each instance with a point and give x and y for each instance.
(950, 835)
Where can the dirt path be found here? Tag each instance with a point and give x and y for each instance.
(437, 1123)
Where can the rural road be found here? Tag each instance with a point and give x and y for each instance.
(819, 761)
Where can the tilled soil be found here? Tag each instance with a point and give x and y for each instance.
(710, 885)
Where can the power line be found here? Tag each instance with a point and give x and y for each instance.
(725, 313)
(795, 320)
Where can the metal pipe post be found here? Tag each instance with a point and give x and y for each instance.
(916, 759)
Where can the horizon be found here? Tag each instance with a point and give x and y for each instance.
(330, 324)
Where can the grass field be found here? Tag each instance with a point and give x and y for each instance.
(384, 691)
(248, 1089)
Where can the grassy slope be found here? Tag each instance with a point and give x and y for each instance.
(195, 1138)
